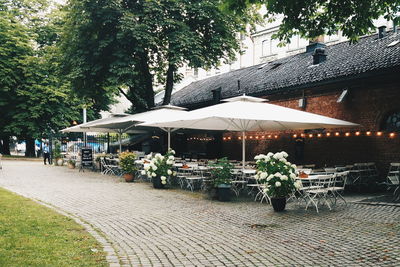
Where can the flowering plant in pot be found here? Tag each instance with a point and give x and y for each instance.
(127, 164)
(71, 163)
(160, 168)
(279, 177)
(222, 178)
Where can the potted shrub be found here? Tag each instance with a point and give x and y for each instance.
(58, 160)
(71, 164)
(127, 164)
(279, 177)
(160, 169)
(221, 175)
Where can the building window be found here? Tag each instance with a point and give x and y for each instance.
(392, 122)
(266, 48)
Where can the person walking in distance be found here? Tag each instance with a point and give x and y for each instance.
(46, 153)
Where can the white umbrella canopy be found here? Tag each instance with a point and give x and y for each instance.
(245, 113)
(88, 127)
(128, 123)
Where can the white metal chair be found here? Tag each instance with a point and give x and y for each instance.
(338, 185)
(393, 180)
(318, 191)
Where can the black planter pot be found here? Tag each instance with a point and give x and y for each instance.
(224, 192)
(278, 203)
(157, 183)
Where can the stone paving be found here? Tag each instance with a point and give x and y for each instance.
(149, 227)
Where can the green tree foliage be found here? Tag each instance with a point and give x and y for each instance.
(34, 99)
(312, 18)
(112, 46)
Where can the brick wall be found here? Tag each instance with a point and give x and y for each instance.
(368, 103)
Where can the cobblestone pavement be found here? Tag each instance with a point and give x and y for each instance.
(149, 227)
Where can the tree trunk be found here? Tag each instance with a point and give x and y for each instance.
(169, 84)
(30, 148)
(148, 80)
(5, 146)
(141, 94)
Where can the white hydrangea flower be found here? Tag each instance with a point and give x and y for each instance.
(154, 174)
(149, 174)
(148, 156)
(146, 167)
(174, 173)
(154, 167)
(164, 182)
(143, 172)
(284, 178)
(171, 157)
(297, 184)
(293, 176)
(277, 184)
(169, 172)
(170, 162)
(284, 154)
(294, 166)
(257, 157)
(172, 151)
(163, 178)
(263, 175)
(270, 154)
(278, 174)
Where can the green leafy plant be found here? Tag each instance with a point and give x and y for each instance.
(277, 174)
(127, 162)
(71, 162)
(57, 151)
(221, 172)
(160, 166)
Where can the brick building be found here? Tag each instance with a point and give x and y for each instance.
(354, 82)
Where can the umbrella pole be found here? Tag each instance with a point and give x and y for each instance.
(120, 141)
(169, 138)
(243, 149)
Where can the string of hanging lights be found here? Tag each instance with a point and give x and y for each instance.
(316, 135)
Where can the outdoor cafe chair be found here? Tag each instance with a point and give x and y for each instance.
(238, 181)
(393, 180)
(338, 185)
(193, 179)
(317, 190)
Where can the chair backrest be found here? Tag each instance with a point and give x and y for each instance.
(330, 170)
(341, 179)
(326, 180)
(394, 180)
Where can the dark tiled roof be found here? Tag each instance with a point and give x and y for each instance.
(368, 55)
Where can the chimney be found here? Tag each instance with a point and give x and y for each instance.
(319, 56)
(317, 42)
(381, 32)
(216, 95)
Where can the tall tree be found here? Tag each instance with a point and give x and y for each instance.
(14, 49)
(312, 18)
(34, 98)
(132, 47)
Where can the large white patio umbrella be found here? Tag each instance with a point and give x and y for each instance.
(88, 127)
(128, 123)
(245, 113)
